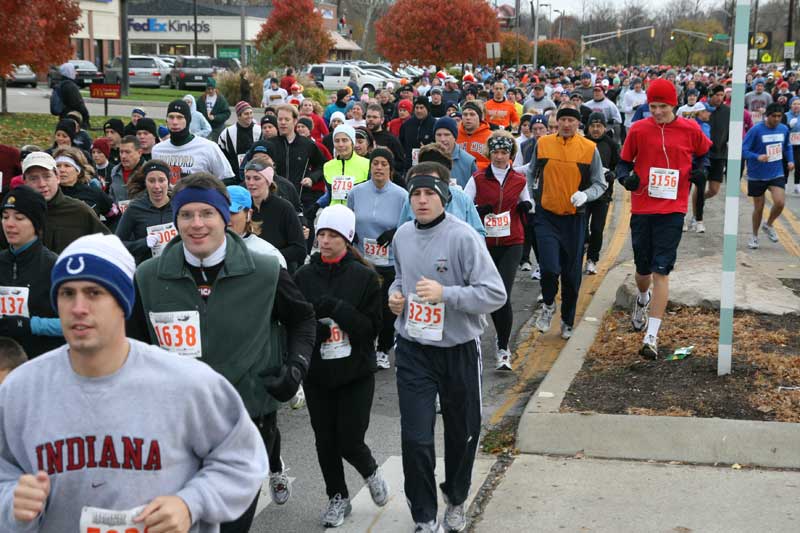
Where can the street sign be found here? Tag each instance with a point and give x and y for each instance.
(788, 50)
(493, 50)
(105, 90)
(761, 40)
(766, 58)
(721, 36)
(228, 52)
(753, 54)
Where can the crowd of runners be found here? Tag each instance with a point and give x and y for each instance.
(286, 255)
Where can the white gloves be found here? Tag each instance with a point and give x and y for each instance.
(152, 240)
(792, 122)
(578, 199)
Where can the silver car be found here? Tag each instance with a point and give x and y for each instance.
(190, 70)
(22, 75)
(143, 71)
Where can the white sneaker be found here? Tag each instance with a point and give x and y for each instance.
(701, 227)
(536, 274)
(770, 231)
(525, 267)
(685, 225)
(797, 188)
(378, 488)
(428, 527)
(299, 400)
(540, 298)
(338, 508)
(545, 318)
(279, 487)
(639, 314)
(382, 360)
(693, 225)
(753, 243)
(455, 517)
(503, 360)
(649, 348)
(566, 330)
(591, 267)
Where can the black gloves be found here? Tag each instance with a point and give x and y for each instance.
(15, 326)
(524, 208)
(325, 306)
(630, 182)
(386, 237)
(698, 175)
(284, 386)
(484, 210)
(610, 176)
(323, 332)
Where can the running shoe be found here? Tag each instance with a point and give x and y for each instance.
(797, 188)
(338, 508)
(378, 488)
(545, 318)
(536, 274)
(428, 527)
(540, 298)
(685, 225)
(525, 267)
(649, 348)
(455, 517)
(566, 330)
(753, 243)
(693, 225)
(299, 400)
(591, 267)
(503, 360)
(382, 360)
(701, 227)
(770, 231)
(639, 314)
(279, 487)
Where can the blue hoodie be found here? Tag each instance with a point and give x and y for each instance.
(755, 144)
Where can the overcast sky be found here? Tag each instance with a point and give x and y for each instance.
(574, 8)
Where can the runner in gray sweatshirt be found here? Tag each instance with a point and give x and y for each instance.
(115, 425)
(445, 281)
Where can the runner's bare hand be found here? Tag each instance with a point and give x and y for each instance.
(166, 514)
(30, 496)
(396, 303)
(430, 290)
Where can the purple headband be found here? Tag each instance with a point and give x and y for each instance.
(212, 197)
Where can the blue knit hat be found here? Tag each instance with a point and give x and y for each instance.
(448, 124)
(102, 259)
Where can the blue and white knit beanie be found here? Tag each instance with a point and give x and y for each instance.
(102, 259)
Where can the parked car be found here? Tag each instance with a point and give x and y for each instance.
(190, 70)
(168, 59)
(85, 73)
(226, 63)
(22, 75)
(334, 76)
(143, 71)
(164, 69)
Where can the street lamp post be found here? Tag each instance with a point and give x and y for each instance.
(560, 21)
(536, 32)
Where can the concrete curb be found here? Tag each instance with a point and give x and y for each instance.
(543, 429)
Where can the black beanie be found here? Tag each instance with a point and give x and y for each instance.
(568, 112)
(67, 125)
(475, 107)
(305, 121)
(179, 106)
(270, 119)
(28, 202)
(597, 117)
(116, 125)
(381, 151)
(423, 100)
(148, 124)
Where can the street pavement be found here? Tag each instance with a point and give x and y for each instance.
(527, 500)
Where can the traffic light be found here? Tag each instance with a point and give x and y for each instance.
(672, 36)
(652, 33)
(619, 33)
(710, 37)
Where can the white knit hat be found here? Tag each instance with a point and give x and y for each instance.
(339, 219)
(348, 130)
(99, 258)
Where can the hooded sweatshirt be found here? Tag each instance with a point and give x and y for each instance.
(199, 125)
(475, 143)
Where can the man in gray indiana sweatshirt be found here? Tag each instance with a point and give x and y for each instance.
(445, 281)
(110, 433)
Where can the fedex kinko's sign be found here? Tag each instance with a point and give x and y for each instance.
(153, 24)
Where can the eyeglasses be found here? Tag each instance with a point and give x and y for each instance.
(189, 216)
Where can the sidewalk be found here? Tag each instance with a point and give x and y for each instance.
(628, 490)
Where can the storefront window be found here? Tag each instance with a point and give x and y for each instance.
(174, 49)
(143, 48)
(205, 49)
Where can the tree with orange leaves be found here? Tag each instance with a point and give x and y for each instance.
(296, 29)
(35, 33)
(436, 32)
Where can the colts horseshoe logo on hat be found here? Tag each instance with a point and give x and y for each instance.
(81, 266)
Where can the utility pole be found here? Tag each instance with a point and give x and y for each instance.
(535, 35)
(789, 22)
(755, 30)
(516, 12)
(195, 28)
(123, 41)
(243, 53)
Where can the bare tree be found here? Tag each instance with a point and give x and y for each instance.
(367, 11)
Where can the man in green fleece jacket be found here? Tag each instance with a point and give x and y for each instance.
(214, 107)
(207, 297)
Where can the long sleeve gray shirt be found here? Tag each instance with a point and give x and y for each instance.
(453, 254)
(161, 425)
